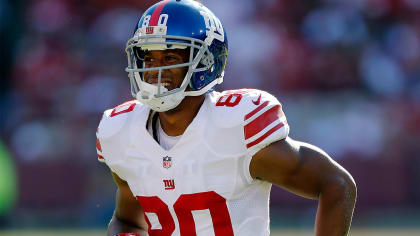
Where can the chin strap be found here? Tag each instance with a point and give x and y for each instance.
(147, 91)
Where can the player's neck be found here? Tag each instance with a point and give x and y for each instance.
(176, 121)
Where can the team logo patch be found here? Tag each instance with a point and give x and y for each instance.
(167, 162)
(169, 184)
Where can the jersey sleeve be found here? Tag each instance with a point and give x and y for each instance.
(106, 142)
(107, 139)
(111, 135)
(264, 122)
(99, 151)
(112, 122)
(100, 138)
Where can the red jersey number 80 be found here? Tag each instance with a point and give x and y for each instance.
(232, 98)
(183, 208)
(229, 100)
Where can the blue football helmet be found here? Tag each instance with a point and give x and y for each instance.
(177, 24)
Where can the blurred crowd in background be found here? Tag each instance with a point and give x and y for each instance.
(346, 72)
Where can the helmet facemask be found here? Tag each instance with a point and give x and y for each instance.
(157, 96)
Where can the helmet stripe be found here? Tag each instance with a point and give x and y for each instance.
(156, 13)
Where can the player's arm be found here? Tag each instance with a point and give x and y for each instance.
(128, 216)
(309, 172)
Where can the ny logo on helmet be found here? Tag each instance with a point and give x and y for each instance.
(214, 28)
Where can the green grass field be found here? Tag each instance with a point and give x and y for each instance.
(276, 232)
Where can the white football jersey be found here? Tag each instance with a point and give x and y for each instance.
(202, 185)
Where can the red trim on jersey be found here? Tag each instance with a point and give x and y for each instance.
(130, 108)
(249, 115)
(156, 13)
(98, 145)
(262, 121)
(100, 157)
(258, 140)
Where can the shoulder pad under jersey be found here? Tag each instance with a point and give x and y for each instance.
(234, 107)
(255, 115)
(259, 114)
(114, 119)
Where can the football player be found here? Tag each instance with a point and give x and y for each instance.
(188, 160)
